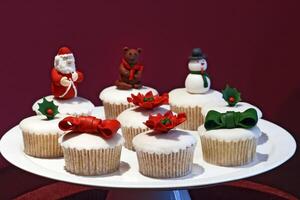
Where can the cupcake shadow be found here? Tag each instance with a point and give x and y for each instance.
(259, 158)
(262, 139)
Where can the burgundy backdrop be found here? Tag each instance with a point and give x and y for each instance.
(252, 45)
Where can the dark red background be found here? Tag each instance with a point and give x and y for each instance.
(252, 45)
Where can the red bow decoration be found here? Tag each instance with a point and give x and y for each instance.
(163, 123)
(148, 101)
(132, 69)
(89, 124)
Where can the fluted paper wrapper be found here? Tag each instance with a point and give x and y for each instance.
(166, 165)
(92, 162)
(113, 110)
(129, 133)
(193, 114)
(235, 153)
(41, 145)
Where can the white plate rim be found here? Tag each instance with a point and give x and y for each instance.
(18, 159)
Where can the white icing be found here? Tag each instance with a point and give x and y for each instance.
(223, 107)
(40, 125)
(135, 116)
(116, 96)
(194, 84)
(197, 65)
(75, 106)
(180, 97)
(234, 134)
(173, 141)
(89, 141)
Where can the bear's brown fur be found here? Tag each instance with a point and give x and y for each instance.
(130, 70)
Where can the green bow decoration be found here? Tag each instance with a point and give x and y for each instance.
(231, 119)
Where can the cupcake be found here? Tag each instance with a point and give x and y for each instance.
(231, 102)
(196, 94)
(164, 152)
(132, 120)
(41, 132)
(65, 79)
(229, 138)
(91, 146)
(114, 98)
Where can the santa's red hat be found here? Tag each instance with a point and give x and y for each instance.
(64, 50)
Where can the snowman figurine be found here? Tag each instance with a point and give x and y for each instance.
(197, 81)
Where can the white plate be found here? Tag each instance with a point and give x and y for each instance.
(275, 147)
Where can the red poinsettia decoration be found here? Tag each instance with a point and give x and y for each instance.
(163, 123)
(148, 101)
(89, 124)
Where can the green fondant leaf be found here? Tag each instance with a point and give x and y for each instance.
(48, 105)
(231, 95)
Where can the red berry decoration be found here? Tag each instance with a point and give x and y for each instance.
(231, 95)
(231, 99)
(50, 111)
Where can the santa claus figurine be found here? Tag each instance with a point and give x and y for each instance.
(64, 75)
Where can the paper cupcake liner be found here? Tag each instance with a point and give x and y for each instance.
(166, 165)
(113, 110)
(194, 117)
(42, 146)
(92, 162)
(224, 153)
(129, 133)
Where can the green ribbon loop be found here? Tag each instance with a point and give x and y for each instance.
(204, 76)
(231, 119)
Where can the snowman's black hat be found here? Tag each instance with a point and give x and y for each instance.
(197, 54)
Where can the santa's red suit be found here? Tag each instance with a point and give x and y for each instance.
(64, 75)
(60, 91)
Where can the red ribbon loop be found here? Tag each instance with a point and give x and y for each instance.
(89, 124)
(132, 69)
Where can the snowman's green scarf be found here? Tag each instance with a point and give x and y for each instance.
(204, 76)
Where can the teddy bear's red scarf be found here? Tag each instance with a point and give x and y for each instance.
(132, 69)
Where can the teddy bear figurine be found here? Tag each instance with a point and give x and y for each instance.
(130, 70)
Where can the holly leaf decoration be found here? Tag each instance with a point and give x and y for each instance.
(231, 95)
(48, 108)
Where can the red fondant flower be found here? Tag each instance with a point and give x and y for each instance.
(163, 123)
(148, 101)
(89, 124)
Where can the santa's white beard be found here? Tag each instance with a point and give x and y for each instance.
(65, 69)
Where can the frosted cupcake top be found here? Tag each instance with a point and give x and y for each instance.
(40, 125)
(227, 135)
(88, 132)
(180, 97)
(163, 138)
(230, 125)
(117, 96)
(146, 105)
(171, 142)
(89, 141)
(135, 117)
(75, 106)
